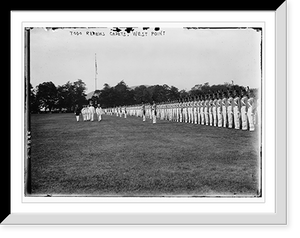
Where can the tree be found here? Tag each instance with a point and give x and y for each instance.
(183, 93)
(159, 93)
(106, 97)
(70, 94)
(196, 90)
(121, 93)
(174, 93)
(34, 104)
(197, 87)
(66, 96)
(47, 95)
(79, 92)
(141, 94)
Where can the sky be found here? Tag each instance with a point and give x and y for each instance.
(174, 56)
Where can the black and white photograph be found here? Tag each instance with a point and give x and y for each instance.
(152, 119)
(143, 111)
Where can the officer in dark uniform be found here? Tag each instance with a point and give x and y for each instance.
(77, 111)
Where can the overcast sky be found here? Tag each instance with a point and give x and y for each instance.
(177, 57)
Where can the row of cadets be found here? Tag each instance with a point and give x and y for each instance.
(234, 109)
(118, 111)
(134, 110)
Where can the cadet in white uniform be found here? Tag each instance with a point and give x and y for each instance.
(257, 112)
(181, 110)
(99, 112)
(195, 110)
(244, 102)
(230, 110)
(87, 113)
(202, 110)
(219, 110)
(185, 110)
(236, 110)
(214, 109)
(143, 112)
(125, 112)
(83, 113)
(210, 110)
(224, 109)
(91, 112)
(198, 109)
(191, 109)
(250, 112)
(154, 112)
(120, 111)
(206, 109)
(177, 110)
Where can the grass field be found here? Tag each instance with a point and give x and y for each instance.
(129, 157)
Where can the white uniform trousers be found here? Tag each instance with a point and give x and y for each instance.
(210, 116)
(244, 118)
(99, 116)
(195, 116)
(185, 115)
(206, 116)
(236, 116)
(92, 116)
(83, 115)
(230, 116)
(189, 115)
(202, 115)
(257, 116)
(91, 113)
(214, 109)
(154, 117)
(250, 115)
(219, 115)
(224, 113)
(170, 114)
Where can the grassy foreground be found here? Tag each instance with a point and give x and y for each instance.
(129, 157)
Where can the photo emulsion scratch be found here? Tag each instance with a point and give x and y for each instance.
(143, 111)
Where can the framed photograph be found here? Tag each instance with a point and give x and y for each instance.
(148, 117)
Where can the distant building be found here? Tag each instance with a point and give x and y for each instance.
(93, 93)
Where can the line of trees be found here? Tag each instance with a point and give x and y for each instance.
(121, 94)
(47, 97)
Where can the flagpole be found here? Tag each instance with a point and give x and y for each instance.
(96, 72)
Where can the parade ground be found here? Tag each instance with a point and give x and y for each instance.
(129, 157)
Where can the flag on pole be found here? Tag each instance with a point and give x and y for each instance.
(96, 71)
